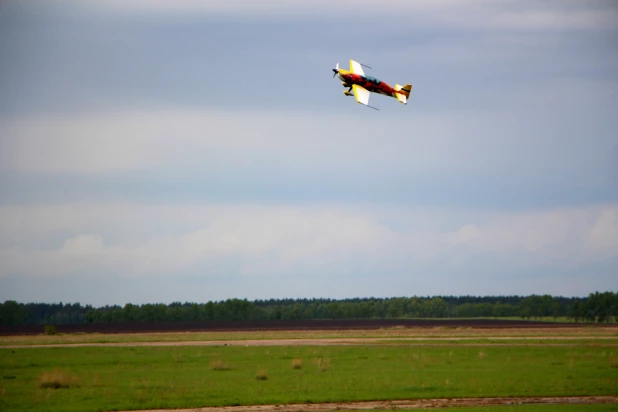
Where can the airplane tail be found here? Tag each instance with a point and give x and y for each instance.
(403, 97)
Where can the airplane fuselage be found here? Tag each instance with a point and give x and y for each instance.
(367, 82)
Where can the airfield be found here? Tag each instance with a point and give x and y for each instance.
(473, 365)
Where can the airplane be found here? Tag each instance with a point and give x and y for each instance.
(363, 85)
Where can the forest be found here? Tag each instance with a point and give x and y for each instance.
(597, 307)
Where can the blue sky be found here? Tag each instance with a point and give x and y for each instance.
(155, 151)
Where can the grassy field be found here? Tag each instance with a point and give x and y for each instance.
(107, 378)
(397, 332)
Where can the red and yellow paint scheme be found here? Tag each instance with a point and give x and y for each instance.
(361, 85)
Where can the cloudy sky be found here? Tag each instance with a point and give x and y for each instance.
(187, 150)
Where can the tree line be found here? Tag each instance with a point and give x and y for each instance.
(597, 307)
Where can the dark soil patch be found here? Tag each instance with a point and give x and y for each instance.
(347, 324)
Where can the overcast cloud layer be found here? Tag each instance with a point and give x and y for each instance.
(188, 150)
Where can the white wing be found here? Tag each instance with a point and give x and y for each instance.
(356, 68)
(361, 94)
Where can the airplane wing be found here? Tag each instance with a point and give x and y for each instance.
(356, 68)
(361, 94)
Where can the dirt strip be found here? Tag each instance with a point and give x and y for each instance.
(331, 341)
(404, 404)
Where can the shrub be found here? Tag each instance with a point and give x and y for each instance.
(57, 379)
(261, 375)
(219, 365)
(50, 329)
(322, 363)
(297, 363)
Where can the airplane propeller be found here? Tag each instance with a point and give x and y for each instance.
(336, 70)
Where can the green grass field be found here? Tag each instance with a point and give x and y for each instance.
(107, 378)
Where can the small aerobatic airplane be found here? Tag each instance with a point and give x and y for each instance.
(362, 85)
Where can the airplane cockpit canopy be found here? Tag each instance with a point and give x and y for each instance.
(373, 79)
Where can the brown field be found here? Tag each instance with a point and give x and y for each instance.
(288, 325)
(315, 333)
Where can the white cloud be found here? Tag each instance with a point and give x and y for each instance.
(135, 140)
(76, 142)
(263, 241)
(469, 14)
(248, 145)
(82, 245)
(602, 239)
(567, 237)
